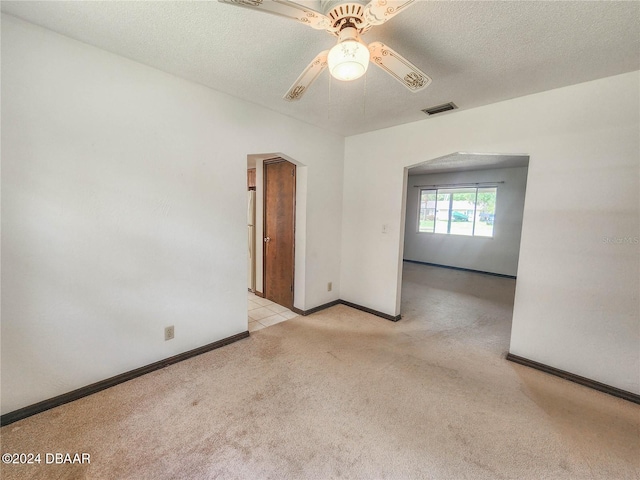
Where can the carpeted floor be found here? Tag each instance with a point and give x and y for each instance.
(343, 394)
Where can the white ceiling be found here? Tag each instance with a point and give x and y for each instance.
(462, 161)
(476, 52)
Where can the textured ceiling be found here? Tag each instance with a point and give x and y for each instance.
(476, 52)
(457, 162)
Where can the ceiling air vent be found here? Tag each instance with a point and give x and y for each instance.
(440, 108)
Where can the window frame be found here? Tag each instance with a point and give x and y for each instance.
(435, 190)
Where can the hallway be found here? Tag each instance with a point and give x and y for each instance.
(264, 313)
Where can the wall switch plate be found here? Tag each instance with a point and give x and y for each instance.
(329, 286)
(169, 333)
(385, 228)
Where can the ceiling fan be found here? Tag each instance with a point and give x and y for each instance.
(349, 58)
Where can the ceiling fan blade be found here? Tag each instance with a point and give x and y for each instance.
(307, 77)
(285, 8)
(398, 67)
(376, 12)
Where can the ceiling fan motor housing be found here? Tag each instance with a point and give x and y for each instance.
(344, 14)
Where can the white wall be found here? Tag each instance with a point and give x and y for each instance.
(124, 211)
(498, 254)
(577, 296)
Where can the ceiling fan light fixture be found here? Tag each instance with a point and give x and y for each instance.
(349, 59)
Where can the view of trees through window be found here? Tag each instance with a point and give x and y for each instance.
(458, 211)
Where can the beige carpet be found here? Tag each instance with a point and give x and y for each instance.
(343, 394)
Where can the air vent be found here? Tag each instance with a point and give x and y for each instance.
(440, 108)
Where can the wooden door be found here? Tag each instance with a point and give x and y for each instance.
(279, 228)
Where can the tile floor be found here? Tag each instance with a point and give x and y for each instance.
(264, 313)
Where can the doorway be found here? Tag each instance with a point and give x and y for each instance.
(279, 231)
(462, 227)
(465, 211)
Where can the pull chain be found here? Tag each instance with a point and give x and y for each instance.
(364, 97)
(329, 104)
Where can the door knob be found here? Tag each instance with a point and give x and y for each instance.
(267, 240)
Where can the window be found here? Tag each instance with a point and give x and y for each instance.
(458, 211)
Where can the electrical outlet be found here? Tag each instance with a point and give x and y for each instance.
(169, 333)
(329, 286)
